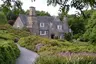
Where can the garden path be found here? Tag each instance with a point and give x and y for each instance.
(26, 56)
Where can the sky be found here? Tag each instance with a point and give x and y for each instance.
(41, 5)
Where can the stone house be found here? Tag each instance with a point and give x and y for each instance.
(45, 26)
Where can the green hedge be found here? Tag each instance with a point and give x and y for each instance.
(8, 52)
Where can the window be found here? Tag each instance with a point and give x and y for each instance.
(42, 32)
(41, 24)
(59, 27)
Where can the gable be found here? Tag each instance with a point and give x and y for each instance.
(18, 23)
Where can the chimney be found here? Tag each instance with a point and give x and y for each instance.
(32, 11)
(31, 17)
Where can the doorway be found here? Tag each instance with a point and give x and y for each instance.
(52, 36)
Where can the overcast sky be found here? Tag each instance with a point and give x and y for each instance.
(42, 5)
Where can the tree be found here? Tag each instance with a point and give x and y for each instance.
(90, 34)
(77, 25)
(12, 10)
(40, 13)
(78, 4)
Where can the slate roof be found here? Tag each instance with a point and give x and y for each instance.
(23, 18)
(46, 19)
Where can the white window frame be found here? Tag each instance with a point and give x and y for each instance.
(59, 27)
(42, 24)
(41, 32)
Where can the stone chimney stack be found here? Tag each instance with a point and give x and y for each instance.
(31, 16)
(32, 21)
(32, 11)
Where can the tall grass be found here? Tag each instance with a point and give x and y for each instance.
(53, 59)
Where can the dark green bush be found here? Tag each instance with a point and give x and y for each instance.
(68, 36)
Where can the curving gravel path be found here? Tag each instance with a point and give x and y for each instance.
(26, 56)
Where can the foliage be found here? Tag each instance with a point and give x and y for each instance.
(77, 24)
(3, 19)
(8, 52)
(40, 13)
(68, 36)
(49, 50)
(53, 59)
(78, 4)
(12, 8)
(15, 33)
(54, 45)
(90, 33)
(11, 22)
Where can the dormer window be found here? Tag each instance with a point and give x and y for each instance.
(59, 27)
(41, 24)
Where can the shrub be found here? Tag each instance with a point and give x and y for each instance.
(16, 33)
(3, 19)
(30, 42)
(11, 22)
(50, 49)
(8, 52)
(68, 36)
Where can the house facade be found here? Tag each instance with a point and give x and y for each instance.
(44, 26)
